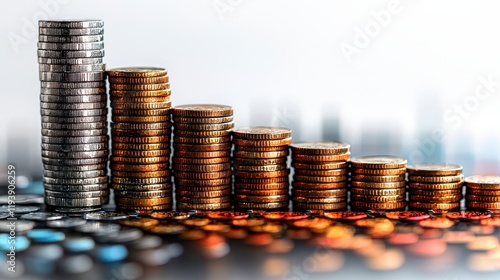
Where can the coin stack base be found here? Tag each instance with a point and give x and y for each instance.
(141, 132)
(201, 162)
(378, 183)
(260, 167)
(435, 186)
(320, 179)
(74, 114)
(483, 193)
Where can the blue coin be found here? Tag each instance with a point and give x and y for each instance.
(45, 235)
(111, 253)
(79, 244)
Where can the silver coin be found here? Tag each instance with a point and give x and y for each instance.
(73, 113)
(19, 209)
(98, 228)
(70, 39)
(74, 133)
(70, 31)
(73, 106)
(71, 61)
(70, 46)
(71, 54)
(90, 23)
(66, 223)
(86, 181)
(65, 161)
(141, 126)
(41, 216)
(88, 194)
(22, 199)
(140, 181)
(76, 188)
(72, 76)
(71, 141)
(75, 155)
(102, 120)
(76, 210)
(72, 126)
(63, 68)
(141, 187)
(74, 174)
(122, 236)
(75, 147)
(73, 92)
(105, 216)
(74, 202)
(75, 85)
(4, 215)
(21, 226)
(71, 99)
(75, 168)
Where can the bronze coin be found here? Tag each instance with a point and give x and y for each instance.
(483, 192)
(138, 100)
(202, 148)
(377, 192)
(435, 192)
(434, 169)
(377, 198)
(320, 158)
(377, 178)
(264, 206)
(313, 179)
(378, 162)
(201, 167)
(213, 120)
(140, 93)
(321, 173)
(161, 86)
(165, 126)
(203, 206)
(202, 110)
(320, 148)
(254, 155)
(261, 192)
(201, 140)
(207, 200)
(260, 148)
(258, 187)
(138, 72)
(202, 183)
(436, 198)
(434, 205)
(319, 186)
(262, 143)
(262, 180)
(491, 182)
(147, 174)
(320, 206)
(260, 168)
(196, 194)
(144, 132)
(327, 200)
(140, 119)
(261, 198)
(482, 205)
(202, 133)
(142, 187)
(320, 166)
(142, 201)
(203, 176)
(140, 147)
(202, 189)
(139, 160)
(139, 80)
(139, 153)
(262, 133)
(123, 207)
(435, 186)
(143, 194)
(391, 205)
(258, 175)
(194, 161)
(375, 185)
(140, 182)
(201, 155)
(482, 198)
(436, 179)
(203, 126)
(260, 161)
(142, 140)
(137, 167)
(340, 192)
(386, 171)
(141, 112)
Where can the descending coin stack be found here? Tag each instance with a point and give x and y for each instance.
(483, 193)
(202, 150)
(435, 186)
(74, 113)
(320, 179)
(378, 183)
(260, 167)
(141, 132)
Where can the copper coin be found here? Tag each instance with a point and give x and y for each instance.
(227, 215)
(258, 175)
(141, 187)
(140, 119)
(260, 168)
(169, 215)
(320, 206)
(437, 222)
(390, 205)
(313, 179)
(342, 192)
(435, 192)
(203, 126)
(434, 205)
(138, 100)
(206, 194)
(436, 198)
(201, 167)
(378, 162)
(142, 140)
(262, 133)
(261, 199)
(143, 194)
(262, 180)
(167, 206)
(491, 182)
(436, 179)
(140, 147)
(319, 186)
(261, 161)
(386, 171)
(320, 158)
(260, 148)
(375, 185)
(141, 93)
(139, 160)
(435, 186)
(201, 155)
(261, 187)
(320, 148)
(494, 221)
(482, 198)
(202, 183)
(138, 80)
(321, 173)
(377, 178)
(142, 201)
(434, 169)
(137, 72)
(255, 205)
(140, 154)
(207, 200)
(161, 86)
(468, 215)
(203, 176)
(284, 215)
(202, 189)
(482, 205)
(203, 206)
(212, 120)
(139, 222)
(203, 133)
(376, 192)
(377, 198)
(137, 167)
(345, 215)
(130, 132)
(202, 110)
(201, 140)
(327, 200)
(215, 160)
(407, 215)
(262, 143)
(483, 192)
(146, 174)
(253, 155)
(140, 181)
(141, 112)
(320, 166)
(263, 192)
(202, 148)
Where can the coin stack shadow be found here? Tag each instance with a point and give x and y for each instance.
(201, 161)
(320, 175)
(74, 113)
(483, 193)
(435, 186)
(260, 167)
(378, 183)
(140, 135)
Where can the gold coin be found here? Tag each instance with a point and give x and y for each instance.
(202, 148)
(202, 110)
(260, 161)
(321, 173)
(320, 158)
(140, 147)
(437, 222)
(139, 222)
(320, 206)
(269, 174)
(434, 205)
(202, 189)
(435, 192)
(202, 140)
(167, 206)
(139, 80)
(140, 119)
(208, 200)
(140, 112)
(390, 205)
(167, 229)
(257, 187)
(374, 185)
(142, 201)
(142, 139)
(483, 192)
(321, 166)
(137, 72)
(271, 192)
(376, 192)
(142, 133)
(265, 206)
(308, 200)
(203, 206)
(377, 198)
(140, 154)
(260, 168)
(141, 175)
(377, 178)
(262, 143)
(203, 126)
(202, 133)
(143, 194)
(202, 183)
(435, 186)
(196, 194)
(262, 180)
(212, 120)
(320, 148)
(341, 192)
(161, 86)
(262, 133)
(201, 167)
(138, 167)
(386, 171)
(436, 179)
(482, 198)
(313, 179)
(139, 160)
(489, 182)
(436, 198)
(214, 160)
(170, 215)
(261, 199)
(203, 176)
(138, 100)
(140, 93)
(378, 162)
(141, 187)
(434, 169)
(319, 186)
(482, 205)
(253, 155)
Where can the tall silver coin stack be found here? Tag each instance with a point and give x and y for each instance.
(73, 105)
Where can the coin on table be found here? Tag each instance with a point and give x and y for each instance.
(378, 162)
(434, 169)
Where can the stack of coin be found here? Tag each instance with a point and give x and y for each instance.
(140, 134)
(260, 167)
(435, 186)
(320, 175)
(378, 183)
(483, 193)
(74, 113)
(201, 161)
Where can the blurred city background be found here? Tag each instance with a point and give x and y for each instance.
(418, 79)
